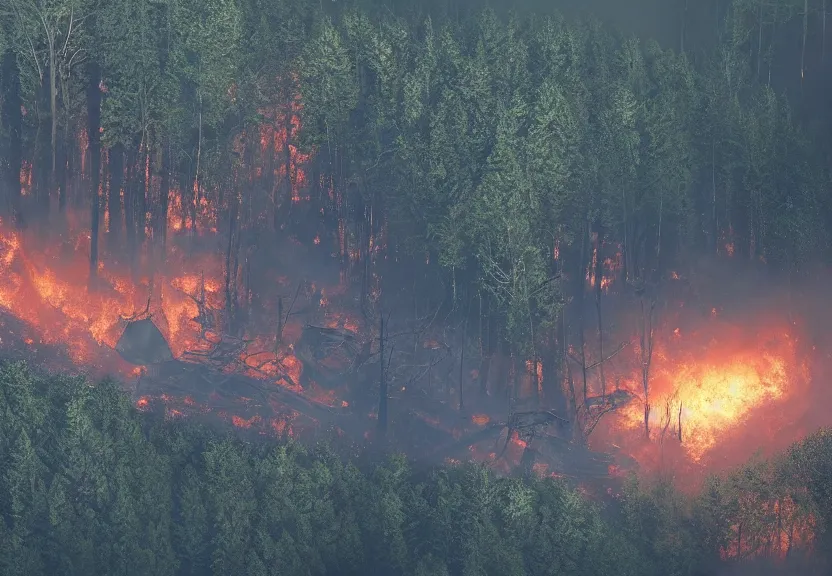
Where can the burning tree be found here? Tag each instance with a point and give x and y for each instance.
(491, 161)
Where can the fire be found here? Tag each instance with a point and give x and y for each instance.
(480, 419)
(49, 290)
(719, 389)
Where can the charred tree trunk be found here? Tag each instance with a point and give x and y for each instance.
(12, 119)
(164, 198)
(599, 275)
(41, 174)
(759, 38)
(62, 152)
(130, 208)
(462, 358)
(568, 380)
(114, 193)
(823, 36)
(269, 180)
(94, 125)
(53, 103)
(646, 353)
(485, 347)
(230, 265)
(143, 184)
(579, 303)
(278, 341)
(287, 158)
(803, 44)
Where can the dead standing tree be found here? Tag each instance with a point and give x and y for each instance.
(646, 340)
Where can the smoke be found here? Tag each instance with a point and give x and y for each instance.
(794, 565)
(740, 363)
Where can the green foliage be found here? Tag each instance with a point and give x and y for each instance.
(480, 142)
(91, 486)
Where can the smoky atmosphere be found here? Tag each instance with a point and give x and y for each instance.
(427, 288)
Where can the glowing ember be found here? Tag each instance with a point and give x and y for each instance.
(480, 419)
(49, 290)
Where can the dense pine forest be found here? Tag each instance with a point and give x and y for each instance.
(519, 172)
(91, 486)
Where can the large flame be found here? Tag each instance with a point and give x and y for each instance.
(48, 287)
(716, 395)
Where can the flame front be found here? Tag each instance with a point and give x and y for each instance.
(719, 394)
(48, 289)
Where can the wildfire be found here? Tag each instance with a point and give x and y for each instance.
(717, 389)
(49, 290)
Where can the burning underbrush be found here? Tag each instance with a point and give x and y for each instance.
(712, 381)
(721, 380)
(303, 358)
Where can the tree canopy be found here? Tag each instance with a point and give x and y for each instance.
(90, 485)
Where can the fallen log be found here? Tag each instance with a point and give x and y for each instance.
(204, 385)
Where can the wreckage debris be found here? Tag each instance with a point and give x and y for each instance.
(143, 344)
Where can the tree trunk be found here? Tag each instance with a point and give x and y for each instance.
(53, 105)
(823, 36)
(196, 186)
(143, 186)
(803, 43)
(646, 351)
(114, 193)
(41, 162)
(164, 194)
(12, 120)
(93, 128)
(580, 280)
(462, 358)
(488, 350)
(130, 209)
(599, 275)
(230, 265)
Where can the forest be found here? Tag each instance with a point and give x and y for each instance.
(535, 192)
(91, 486)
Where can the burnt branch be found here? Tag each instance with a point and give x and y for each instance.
(579, 362)
(141, 315)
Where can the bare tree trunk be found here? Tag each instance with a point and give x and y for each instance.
(53, 102)
(143, 188)
(759, 38)
(581, 282)
(130, 208)
(114, 194)
(679, 427)
(164, 199)
(196, 183)
(599, 271)
(462, 357)
(714, 223)
(230, 267)
(646, 351)
(94, 124)
(487, 347)
(803, 43)
(12, 120)
(823, 37)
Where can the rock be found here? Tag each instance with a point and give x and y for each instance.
(142, 344)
